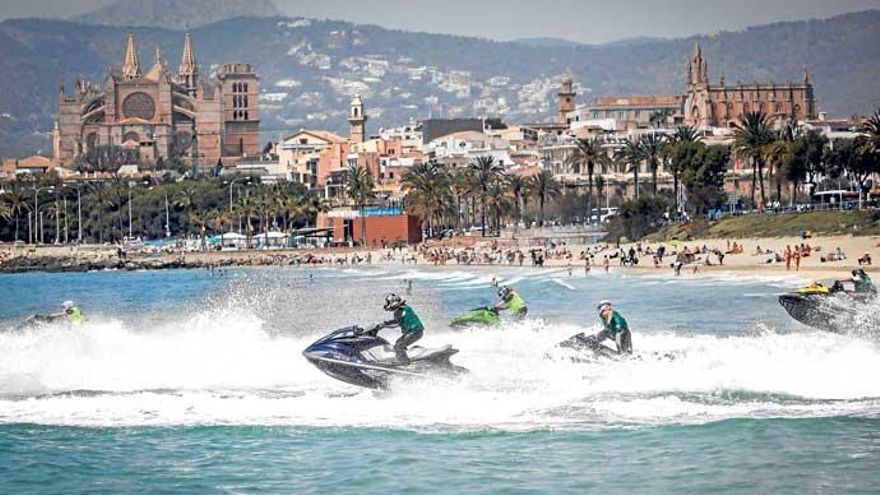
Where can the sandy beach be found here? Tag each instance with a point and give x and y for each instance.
(753, 256)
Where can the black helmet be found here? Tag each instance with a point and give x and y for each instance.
(504, 292)
(392, 302)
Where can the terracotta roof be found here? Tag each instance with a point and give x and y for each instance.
(637, 101)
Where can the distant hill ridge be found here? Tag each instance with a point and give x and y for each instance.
(310, 69)
(177, 14)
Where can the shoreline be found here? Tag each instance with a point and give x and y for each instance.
(484, 254)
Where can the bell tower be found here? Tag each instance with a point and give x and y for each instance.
(358, 119)
(567, 98)
(131, 68)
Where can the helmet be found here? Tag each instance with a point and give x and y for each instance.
(67, 305)
(504, 292)
(602, 305)
(392, 302)
(858, 272)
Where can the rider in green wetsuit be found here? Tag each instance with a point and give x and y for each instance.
(70, 311)
(409, 323)
(862, 282)
(615, 328)
(511, 301)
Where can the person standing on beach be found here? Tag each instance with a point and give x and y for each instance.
(607, 264)
(797, 259)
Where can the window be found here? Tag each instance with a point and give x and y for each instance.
(390, 175)
(303, 141)
(246, 101)
(246, 116)
(245, 88)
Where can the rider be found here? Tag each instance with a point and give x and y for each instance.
(615, 328)
(409, 323)
(512, 301)
(69, 310)
(863, 282)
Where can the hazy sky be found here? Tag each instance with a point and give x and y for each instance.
(589, 21)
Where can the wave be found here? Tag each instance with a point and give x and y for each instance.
(225, 364)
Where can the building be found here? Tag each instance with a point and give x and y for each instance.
(721, 105)
(358, 120)
(300, 154)
(567, 98)
(159, 114)
(629, 112)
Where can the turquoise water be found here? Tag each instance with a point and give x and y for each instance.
(188, 382)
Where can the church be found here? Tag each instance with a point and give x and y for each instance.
(159, 116)
(721, 105)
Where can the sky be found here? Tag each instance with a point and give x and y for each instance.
(586, 21)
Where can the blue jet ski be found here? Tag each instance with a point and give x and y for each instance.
(360, 357)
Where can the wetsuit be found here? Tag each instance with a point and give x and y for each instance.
(515, 304)
(864, 284)
(617, 330)
(410, 325)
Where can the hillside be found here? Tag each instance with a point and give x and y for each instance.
(309, 69)
(174, 14)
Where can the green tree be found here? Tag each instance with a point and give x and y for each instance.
(587, 155)
(543, 187)
(483, 171)
(652, 153)
(631, 154)
(750, 140)
(360, 189)
(428, 193)
(704, 179)
(17, 203)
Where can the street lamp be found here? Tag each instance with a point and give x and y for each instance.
(37, 190)
(231, 183)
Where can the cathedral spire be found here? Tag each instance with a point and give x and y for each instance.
(131, 68)
(188, 59)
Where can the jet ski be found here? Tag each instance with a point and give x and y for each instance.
(824, 307)
(478, 316)
(590, 346)
(360, 357)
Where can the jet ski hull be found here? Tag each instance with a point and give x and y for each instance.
(476, 316)
(832, 312)
(348, 355)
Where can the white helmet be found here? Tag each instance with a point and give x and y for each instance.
(66, 305)
(605, 303)
(504, 291)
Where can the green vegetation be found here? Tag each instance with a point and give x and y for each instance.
(193, 208)
(817, 223)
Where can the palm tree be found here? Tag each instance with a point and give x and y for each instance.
(652, 152)
(779, 153)
(462, 186)
(496, 197)
(587, 154)
(544, 186)
(100, 195)
(483, 172)
(17, 202)
(631, 154)
(428, 192)
(750, 139)
(518, 186)
(247, 208)
(360, 189)
(684, 136)
(871, 130)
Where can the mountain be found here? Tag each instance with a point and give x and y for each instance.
(310, 69)
(176, 14)
(547, 42)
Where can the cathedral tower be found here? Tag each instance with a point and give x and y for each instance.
(188, 72)
(358, 119)
(131, 68)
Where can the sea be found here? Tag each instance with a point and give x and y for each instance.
(193, 382)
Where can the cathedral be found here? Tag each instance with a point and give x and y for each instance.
(720, 105)
(160, 115)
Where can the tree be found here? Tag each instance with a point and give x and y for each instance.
(680, 151)
(652, 151)
(17, 203)
(360, 189)
(704, 179)
(588, 153)
(483, 171)
(544, 186)
(498, 201)
(518, 185)
(462, 186)
(857, 160)
(631, 154)
(750, 139)
(428, 192)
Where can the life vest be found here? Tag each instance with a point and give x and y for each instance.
(409, 321)
(516, 304)
(75, 315)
